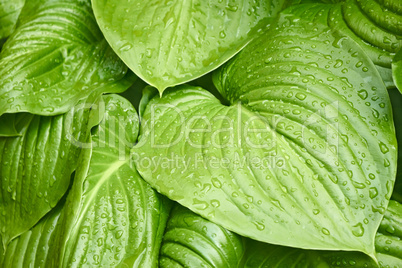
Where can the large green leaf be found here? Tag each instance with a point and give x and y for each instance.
(170, 42)
(192, 241)
(112, 218)
(35, 168)
(32, 247)
(375, 25)
(304, 155)
(56, 57)
(388, 245)
(9, 12)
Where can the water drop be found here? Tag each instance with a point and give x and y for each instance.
(216, 183)
(363, 94)
(259, 226)
(373, 192)
(222, 34)
(300, 96)
(325, 231)
(126, 47)
(316, 211)
(358, 230)
(119, 234)
(199, 204)
(384, 149)
(215, 203)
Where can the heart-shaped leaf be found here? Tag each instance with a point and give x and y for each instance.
(56, 57)
(192, 241)
(35, 168)
(171, 42)
(304, 155)
(112, 218)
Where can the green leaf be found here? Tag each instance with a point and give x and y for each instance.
(304, 156)
(171, 42)
(389, 236)
(192, 241)
(9, 12)
(56, 57)
(32, 247)
(265, 255)
(397, 70)
(112, 218)
(7, 126)
(35, 168)
(374, 25)
(388, 245)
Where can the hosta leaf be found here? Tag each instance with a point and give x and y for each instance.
(375, 25)
(9, 12)
(170, 42)
(56, 57)
(35, 168)
(388, 245)
(192, 241)
(264, 255)
(112, 218)
(304, 155)
(389, 236)
(32, 247)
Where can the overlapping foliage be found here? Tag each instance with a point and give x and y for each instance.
(284, 156)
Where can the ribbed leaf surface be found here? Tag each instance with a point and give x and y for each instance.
(306, 148)
(192, 241)
(112, 217)
(35, 168)
(171, 42)
(56, 57)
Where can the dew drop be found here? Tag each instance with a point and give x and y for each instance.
(325, 231)
(215, 203)
(358, 230)
(126, 47)
(316, 211)
(259, 226)
(384, 149)
(363, 94)
(373, 192)
(300, 96)
(216, 183)
(199, 204)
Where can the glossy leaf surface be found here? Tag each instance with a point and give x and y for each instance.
(302, 149)
(374, 25)
(35, 168)
(171, 42)
(192, 241)
(56, 57)
(388, 246)
(31, 249)
(112, 218)
(9, 12)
